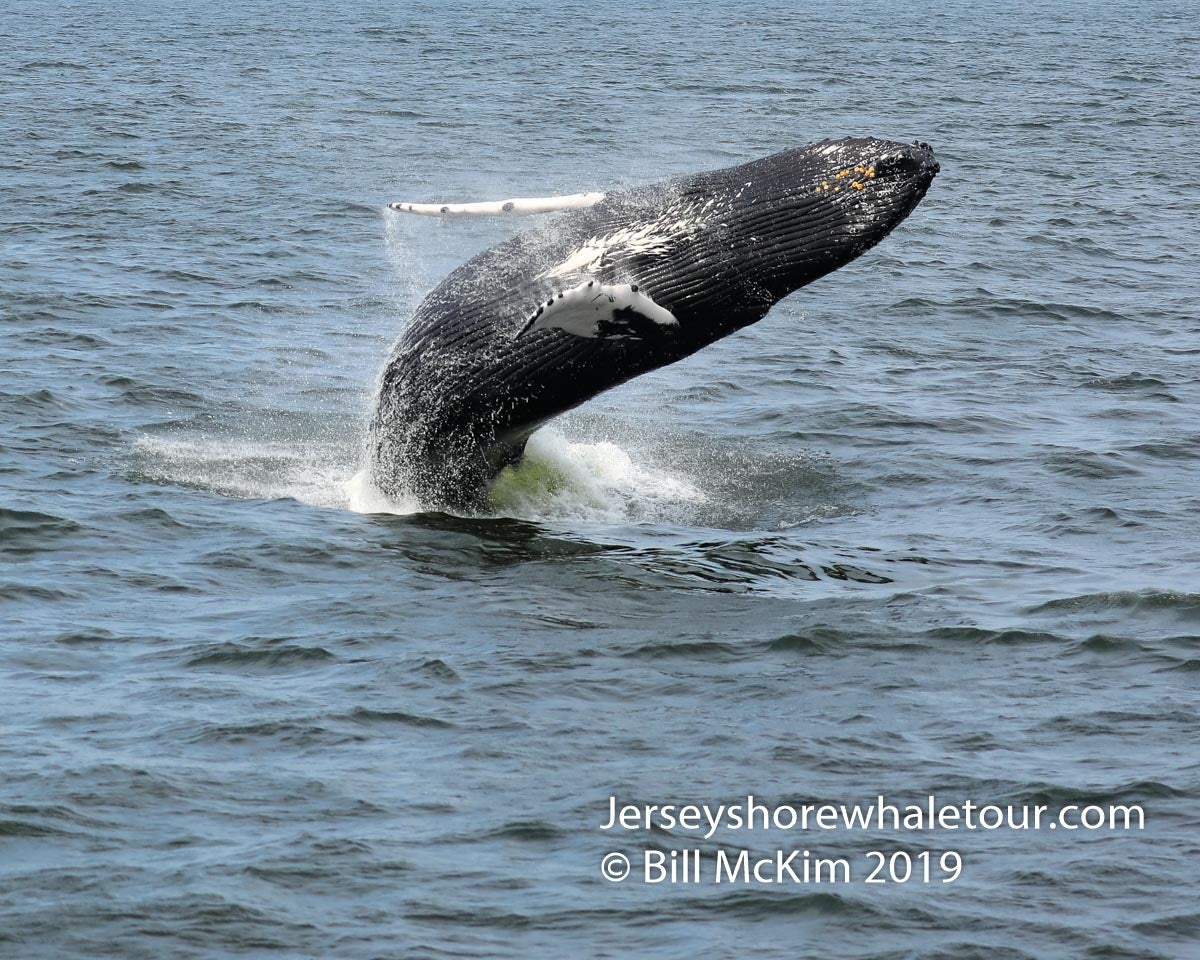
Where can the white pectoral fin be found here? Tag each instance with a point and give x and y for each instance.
(491, 208)
(603, 311)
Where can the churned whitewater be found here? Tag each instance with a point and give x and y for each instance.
(929, 529)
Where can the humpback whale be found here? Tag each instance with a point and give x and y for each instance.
(618, 285)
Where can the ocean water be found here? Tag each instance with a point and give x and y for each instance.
(930, 528)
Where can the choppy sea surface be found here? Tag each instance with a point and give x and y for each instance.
(932, 527)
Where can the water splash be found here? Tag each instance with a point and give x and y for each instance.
(563, 479)
(312, 472)
(558, 478)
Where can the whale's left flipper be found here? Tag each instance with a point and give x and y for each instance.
(603, 311)
(491, 208)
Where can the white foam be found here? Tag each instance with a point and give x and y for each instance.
(362, 496)
(560, 479)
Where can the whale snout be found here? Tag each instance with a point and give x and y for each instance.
(874, 183)
(864, 163)
(807, 211)
(915, 159)
(867, 178)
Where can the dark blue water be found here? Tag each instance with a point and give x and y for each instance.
(932, 527)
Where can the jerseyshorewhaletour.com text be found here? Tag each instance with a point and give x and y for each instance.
(929, 816)
(878, 814)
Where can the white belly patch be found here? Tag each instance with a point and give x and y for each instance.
(602, 311)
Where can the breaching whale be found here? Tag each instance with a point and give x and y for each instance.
(620, 284)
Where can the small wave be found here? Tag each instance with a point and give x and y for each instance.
(40, 400)
(1183, 926)
(32, 65)
(297, 733)
(709, 650)
(817, 640)
(762, 904)
(26, 828)
(527, 831)
(438, 670)
(1126, 602)
(369, 717)
(982, 637)
(1128, 381)
(1089, 464)
(34, 816)
(31, 593)
(27, 531)
(1191, 665)
(1055, 795)
(152, 394)
(239, 656)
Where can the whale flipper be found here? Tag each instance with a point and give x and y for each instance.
(604, 311)
(491, 208)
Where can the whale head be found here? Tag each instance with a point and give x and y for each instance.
(814, 209)
(719, 249)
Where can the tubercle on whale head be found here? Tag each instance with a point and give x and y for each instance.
(833, 165)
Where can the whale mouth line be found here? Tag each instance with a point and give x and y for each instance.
(618, 285)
